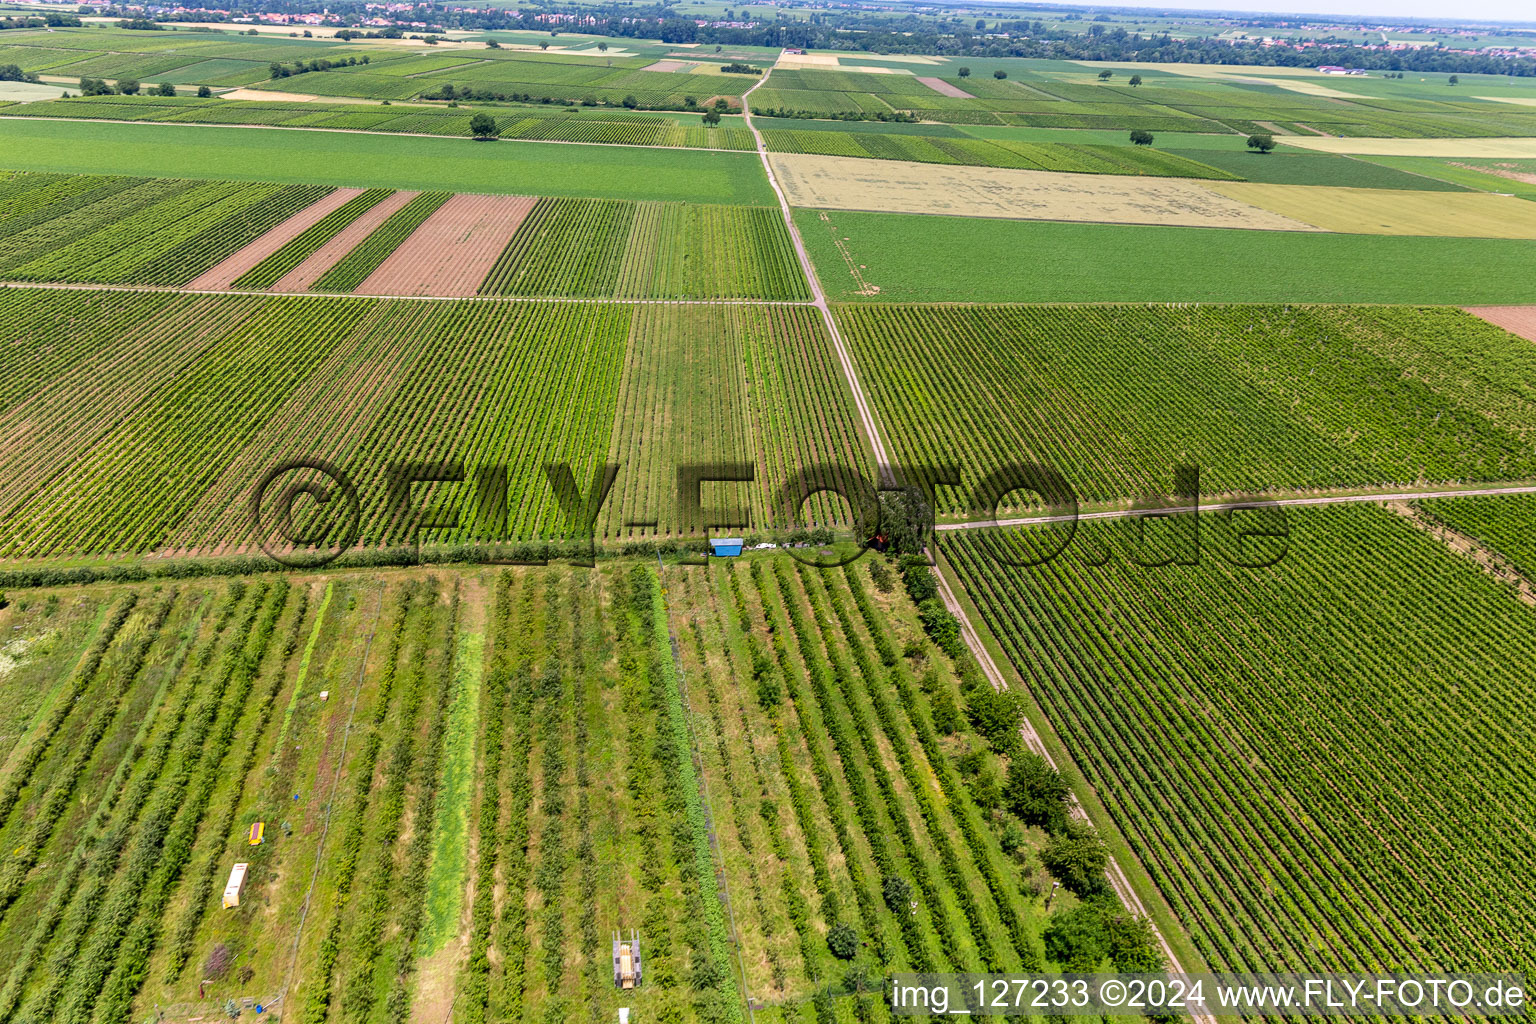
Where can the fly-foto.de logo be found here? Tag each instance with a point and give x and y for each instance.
(308, 512)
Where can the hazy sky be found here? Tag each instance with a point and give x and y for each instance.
(1494, 10)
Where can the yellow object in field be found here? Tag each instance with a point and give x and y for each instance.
(257, 831)
(235, 885)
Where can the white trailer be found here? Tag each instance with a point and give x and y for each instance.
(235, 885)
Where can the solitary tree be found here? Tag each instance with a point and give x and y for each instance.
(1106, 75)
(544, 45)
(711, 118)
(128, 86)
(1263, 143)
(965, 72)
(166, 89)
(1135, 80)
(483, 126)
(602, 47)
(1141, 137)
(203, 92)
(999, 75)
(1453, 80)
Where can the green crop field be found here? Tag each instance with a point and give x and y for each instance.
(1046, 94)
(916, 258)
(537, 123)
(370, 486)
(146, 231)
(335, 158)
(547, 77)
(1297, 167)
(1500, 524)
(1473, 173)
(931, 149)
(470, 780)
(431, 679)
(600, 247)
(167, 232)
(1296, 753)
(1261, 399)
(480, 382)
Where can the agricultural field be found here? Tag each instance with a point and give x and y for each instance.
(135, 230)
(890, 186)
(377, 160)
(1114, 397)
(358, 478)
(1392, 212)
(642, 250)
(1176, 98)
(204, 235)
(769, 380)
(366, 384)
(1480, 149)
(1489, 174)
(934, 149)
(1297, 754)
(535, 77)
(1290, 166)
(1500, 524)
(470, 779)
(532, 123)
(499, 780)
(885, 257)
(203, 58)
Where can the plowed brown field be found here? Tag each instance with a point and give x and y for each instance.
(1519, 320)
(452, 250)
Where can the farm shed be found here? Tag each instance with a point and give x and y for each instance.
(235, 885)
(725, 547)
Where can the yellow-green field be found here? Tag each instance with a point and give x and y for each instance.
(894, 186)
(1379, 211)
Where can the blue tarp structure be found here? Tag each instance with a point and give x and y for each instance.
(725, 547)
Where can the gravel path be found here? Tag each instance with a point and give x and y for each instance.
(866, 413)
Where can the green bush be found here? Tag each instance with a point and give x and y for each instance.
(1078, 857)
(1037, 792)
(843, 941)
(942, 627)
